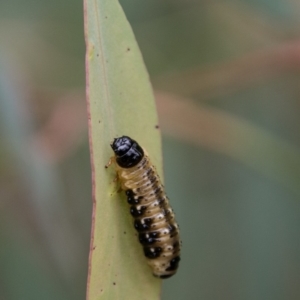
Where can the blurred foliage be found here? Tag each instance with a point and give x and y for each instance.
(240, 227)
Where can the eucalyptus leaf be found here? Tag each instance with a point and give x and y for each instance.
(120, 102)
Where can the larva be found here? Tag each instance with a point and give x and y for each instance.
(153, 217)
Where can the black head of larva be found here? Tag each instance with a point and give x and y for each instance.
(128, 152)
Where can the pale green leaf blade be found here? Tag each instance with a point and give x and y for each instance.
(121, 102)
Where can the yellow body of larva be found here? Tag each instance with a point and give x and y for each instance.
(153, 217)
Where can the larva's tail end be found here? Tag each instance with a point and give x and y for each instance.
(163, 276)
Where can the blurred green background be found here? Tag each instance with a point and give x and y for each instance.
(235, 189)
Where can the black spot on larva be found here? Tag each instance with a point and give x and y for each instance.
(165, 212)
(131, 197)
(148, 173)
(148, 221)
(157, 126)
(174, 234)
(132, 200)
(128, 49)
(152, 252)
(148, 238)
(175, 245)
(129, 193)
(114, 283)
(137, 212)
(147, 241)
(171, 228)
(153, 179)
(143, 225)
(157, 191)
(161, 201)
(173, 264)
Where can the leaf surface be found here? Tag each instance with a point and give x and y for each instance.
(120, 102)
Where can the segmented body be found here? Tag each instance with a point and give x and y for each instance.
(153, 217)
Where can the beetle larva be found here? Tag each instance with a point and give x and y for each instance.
(153, 217)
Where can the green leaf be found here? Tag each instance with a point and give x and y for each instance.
(120, 102)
